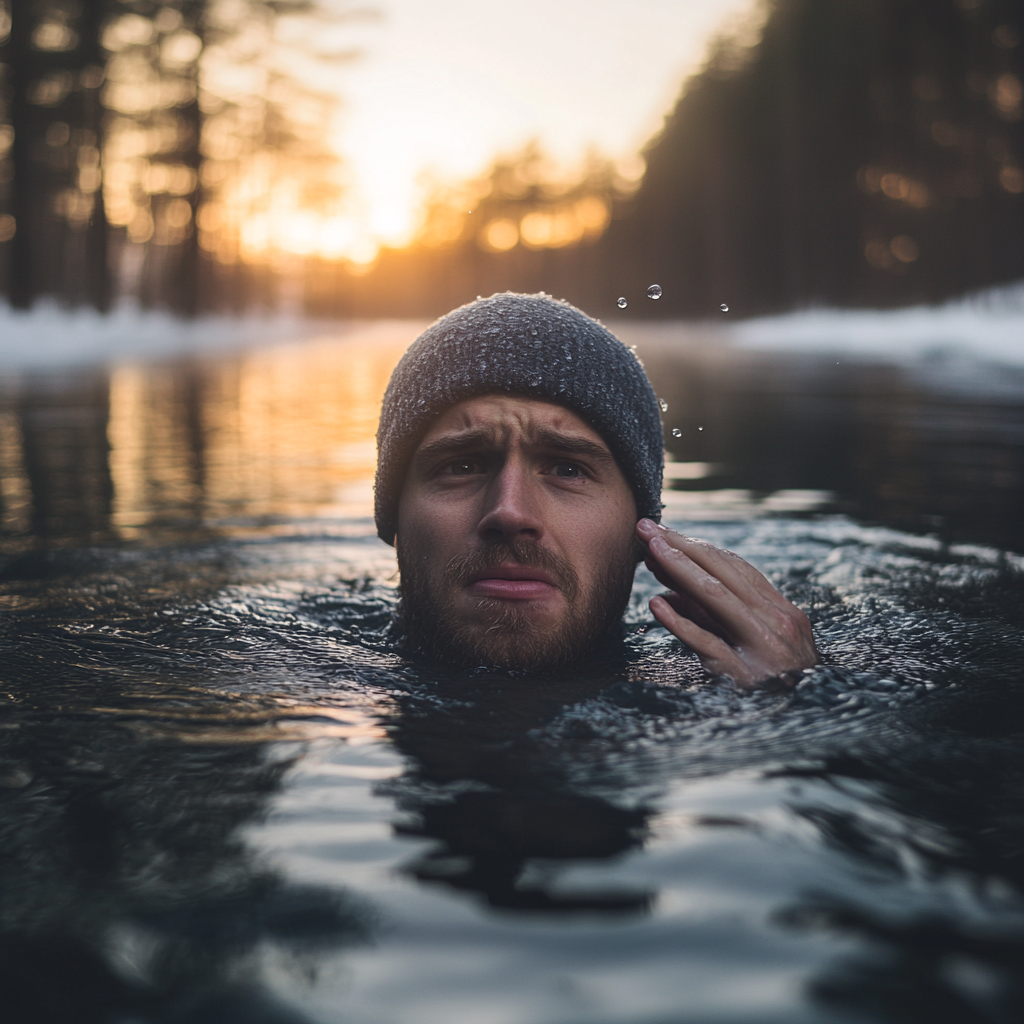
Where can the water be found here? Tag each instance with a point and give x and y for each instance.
(226, 797)
(724, 307)
(621, 302)
(654, 291)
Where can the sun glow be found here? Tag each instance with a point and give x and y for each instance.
(303, 160)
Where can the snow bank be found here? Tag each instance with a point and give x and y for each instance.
(987, 327)
(49, 337)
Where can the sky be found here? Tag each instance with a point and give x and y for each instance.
(443, 86)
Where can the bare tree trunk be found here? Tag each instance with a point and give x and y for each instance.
(186, 296)
(98, 283)
(22, 286)
(790, 136)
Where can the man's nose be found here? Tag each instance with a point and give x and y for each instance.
(511, 510)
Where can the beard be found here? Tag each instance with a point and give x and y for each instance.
(501, 633)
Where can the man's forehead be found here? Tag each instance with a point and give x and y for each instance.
(506, 417)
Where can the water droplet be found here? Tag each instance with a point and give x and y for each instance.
(621, 302)
(654, 292)
(663, 404)
(676, 432)
(724, 307)
(700, 428)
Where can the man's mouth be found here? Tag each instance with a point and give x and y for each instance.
(512, 582)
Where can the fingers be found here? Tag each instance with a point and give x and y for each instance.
(738, 575)
(731, 610)
(685, 606)
(715, 654)
(757, 605)
(721, 606)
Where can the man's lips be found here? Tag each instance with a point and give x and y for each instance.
(512, 582)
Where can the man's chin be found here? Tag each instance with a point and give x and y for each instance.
(452, 624)
(509, 638)
(548, 614)
(527, 635)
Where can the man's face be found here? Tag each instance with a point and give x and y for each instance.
(515, 535)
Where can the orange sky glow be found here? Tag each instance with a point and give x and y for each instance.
(438, 91)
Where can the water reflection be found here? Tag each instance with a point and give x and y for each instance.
(224, 794)
(127, 893)
(503, 816)
(276, 432)
(931, 446)
(940, 827)
(236, 441)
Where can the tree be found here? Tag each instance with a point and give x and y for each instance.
(848, 153)
(54, 71)
(119, 116)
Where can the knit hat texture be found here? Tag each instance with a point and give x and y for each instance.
(527, 345)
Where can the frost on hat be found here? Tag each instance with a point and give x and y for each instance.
(528, 345)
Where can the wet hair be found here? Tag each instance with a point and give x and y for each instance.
(532, 346)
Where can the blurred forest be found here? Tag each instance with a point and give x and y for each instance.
(144, 144)
(839, 152)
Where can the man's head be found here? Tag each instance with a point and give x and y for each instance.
(519, 443)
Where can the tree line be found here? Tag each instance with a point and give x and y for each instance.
(127, 126)
(830, 152)
(839, 152)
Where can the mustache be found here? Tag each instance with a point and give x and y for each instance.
(460, 568)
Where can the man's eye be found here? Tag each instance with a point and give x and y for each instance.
(568, 469)
(464, 467)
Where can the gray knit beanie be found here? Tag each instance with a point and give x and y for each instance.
(528, 345)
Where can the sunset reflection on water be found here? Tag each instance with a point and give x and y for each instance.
(287, 431)
(281, 437)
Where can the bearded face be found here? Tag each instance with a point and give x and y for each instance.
(510, 633)
(515, 538)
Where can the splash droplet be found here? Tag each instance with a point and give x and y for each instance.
(724, 307)
(700, 428)
(654, 292)
(621, 302)
(676, 432)
(663, 404)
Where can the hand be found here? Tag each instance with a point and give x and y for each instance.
(739, 625)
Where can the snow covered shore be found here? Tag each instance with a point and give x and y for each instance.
(983, 328)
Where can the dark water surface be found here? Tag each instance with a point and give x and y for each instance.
(224, 797)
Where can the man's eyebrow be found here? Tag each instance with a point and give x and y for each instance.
(570, 444)
(449, 444)
(545, 438)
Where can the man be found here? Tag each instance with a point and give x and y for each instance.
(520, 458)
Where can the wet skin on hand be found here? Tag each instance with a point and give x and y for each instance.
(738, 624)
